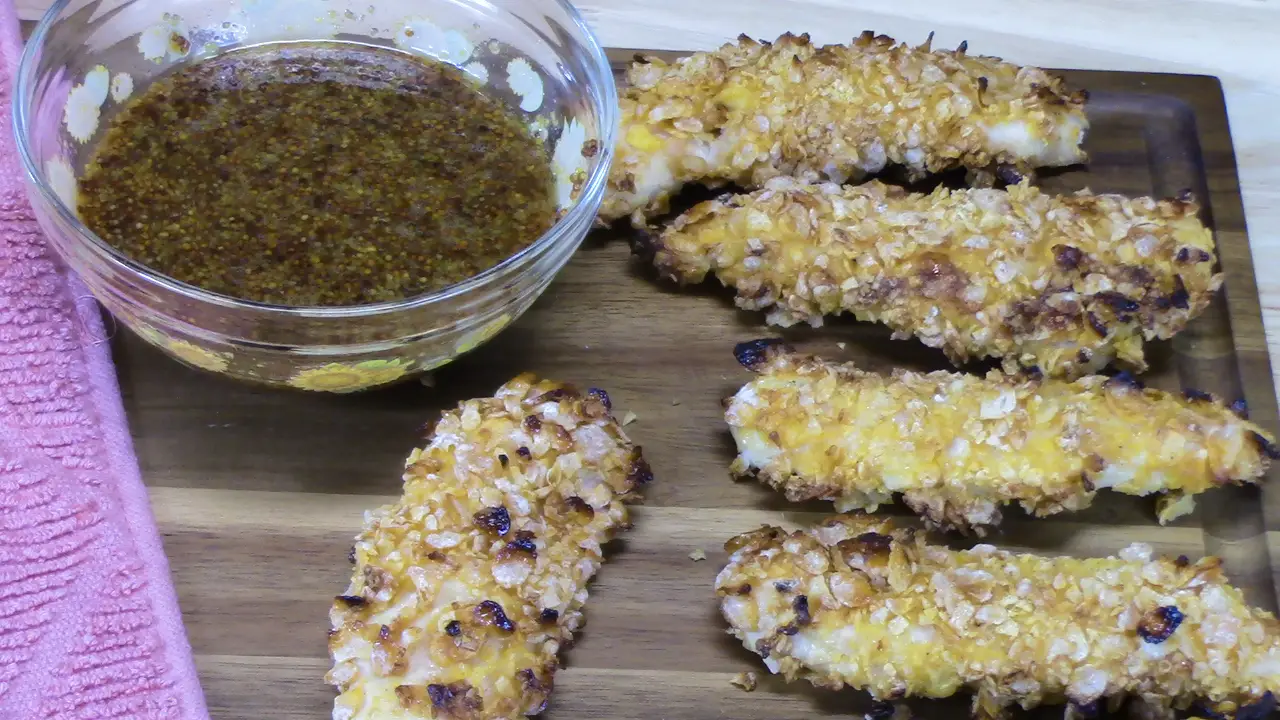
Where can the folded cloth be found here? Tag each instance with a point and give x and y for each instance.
(89, 622)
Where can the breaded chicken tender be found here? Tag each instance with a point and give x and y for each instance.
(857, 601)
(1066, 284)
(465, 589)
(960, 447)
(751, 111)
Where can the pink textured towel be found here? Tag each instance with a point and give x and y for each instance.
(89, 624)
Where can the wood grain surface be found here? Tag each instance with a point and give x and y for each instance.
(259, 493)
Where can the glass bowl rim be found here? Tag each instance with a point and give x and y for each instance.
(593, 187)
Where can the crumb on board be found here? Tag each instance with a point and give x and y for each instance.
(842, 345)
(697, 555)
(675, 402)
(744, 680)
(628, 418)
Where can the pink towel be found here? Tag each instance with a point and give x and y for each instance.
(89, 623)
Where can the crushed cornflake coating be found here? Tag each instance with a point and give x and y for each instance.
(958, 447)
(745, 680)
(465, 589)
(857, 601)
(1065, 284)
(751, 111)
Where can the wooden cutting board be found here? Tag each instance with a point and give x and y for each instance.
(259, 493)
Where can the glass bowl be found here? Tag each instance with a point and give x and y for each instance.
(86, 57)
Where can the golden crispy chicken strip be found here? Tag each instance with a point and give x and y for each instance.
(751, 111)
(960, 447)
(466, 588)
(1063, 283)
(857, 601)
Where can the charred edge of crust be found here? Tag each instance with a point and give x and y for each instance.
(455, 699)
(1118, 302)
(645, 243)
(761, 535)
(523, 544)
(490, 612)
(537, 686)
(764, 646)
(1159, 624)
(754, 354)
(1010, 174)
(601, 396)
(879, 541)
(638, 472)
(558, 394)
(1240, 408)
(1193, 255)
(1259, 710)
(577, 504)
(1265, 446)
(874, 547)
(1197, 395)
(1067, 256)
(495, 519)
(1125, 379)
(801, 607)
(1180, 298)
(352, 601)
(1096, 324)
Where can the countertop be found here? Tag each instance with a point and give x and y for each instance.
(1235, 40)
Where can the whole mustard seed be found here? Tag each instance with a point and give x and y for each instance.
(310, 174)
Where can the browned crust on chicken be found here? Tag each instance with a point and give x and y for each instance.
(465, 590)
(959, 447)
(858, 601)
(1065, 284)
(751, 111)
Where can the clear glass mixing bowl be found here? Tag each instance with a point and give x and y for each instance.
(86, 57)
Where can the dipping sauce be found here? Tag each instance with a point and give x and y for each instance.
(312, 174)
